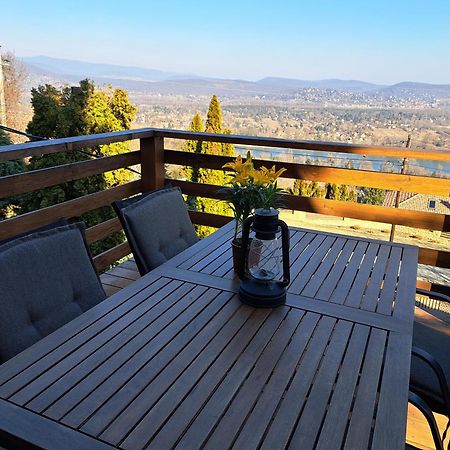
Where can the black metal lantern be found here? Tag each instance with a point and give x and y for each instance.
(263, 255)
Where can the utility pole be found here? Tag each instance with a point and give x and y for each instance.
(397, 195)
(2, 94)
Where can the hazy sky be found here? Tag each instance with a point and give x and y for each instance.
(381, 41)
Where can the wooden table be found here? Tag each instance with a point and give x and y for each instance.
(175, 360)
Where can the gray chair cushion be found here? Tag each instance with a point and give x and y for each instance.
(47, 280)
(423, 380)
(159, 227)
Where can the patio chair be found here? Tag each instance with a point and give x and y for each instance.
(157, 226)
(415, 400)
(430, 363)
(48, 278)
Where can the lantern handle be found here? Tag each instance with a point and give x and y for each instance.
(244, 244)
(285, 248)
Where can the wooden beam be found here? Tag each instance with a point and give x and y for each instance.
(108, 257)
(422, 284)
(198, 189)
(382, 214)
(152, 163)
(16, 151)
(373, 213)
(210, 220)
(354, 177)
(431, 257)
(38, 179)
(329, 147)
(103, 230)
(71, 208)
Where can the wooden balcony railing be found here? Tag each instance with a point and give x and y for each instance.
(153, 155)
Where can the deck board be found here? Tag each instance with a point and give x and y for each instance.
(119, 277)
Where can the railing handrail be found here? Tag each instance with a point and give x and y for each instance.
(15, 151)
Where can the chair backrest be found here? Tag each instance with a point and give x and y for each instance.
(47, 279)
(424, 380)
(58, 223)
(157, 226)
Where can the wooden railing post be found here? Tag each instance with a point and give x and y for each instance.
(152, 163)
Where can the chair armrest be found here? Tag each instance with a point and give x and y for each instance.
(433, 295)
(437, 369)
(420, 404)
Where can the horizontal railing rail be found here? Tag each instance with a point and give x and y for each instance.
(52, 176)
(72, 143)
(354, 177)
(153, 155)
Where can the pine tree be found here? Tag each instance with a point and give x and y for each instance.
(296, 188)
(332, 191)
(228, 149)
(313, 189)
(218, 177)
(192, 173)
(307, 189)
(371, 196)
(344, 192)
(75, 111)
(353, 196)
(214, 116)
(196, 126)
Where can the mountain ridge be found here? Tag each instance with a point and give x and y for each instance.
(48, 69)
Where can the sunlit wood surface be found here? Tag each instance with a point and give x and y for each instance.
(418, 433)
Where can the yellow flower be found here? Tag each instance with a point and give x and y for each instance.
(236, 166)
(243, 170)
(261, 177)
(274, 175)
(240, 178)
(246, 173)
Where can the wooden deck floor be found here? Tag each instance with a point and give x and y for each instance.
(417, 434)
(119, 277)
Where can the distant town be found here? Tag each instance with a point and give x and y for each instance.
(347, 111)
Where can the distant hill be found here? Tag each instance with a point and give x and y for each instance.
(410, 87)
(336, 84)
(80, 69)
(44, 69)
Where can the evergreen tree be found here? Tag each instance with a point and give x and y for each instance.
(196, 126)
(304, 189)
(75, 111)
(332, 191)
(228, 149)
(4, 138)
(214, 116)
(307, 189)
(8, 205)
(344, 192)
(353, 196)
(296, 188)
(218, 177)
(192, 173)
(371, 196)
(316, 190)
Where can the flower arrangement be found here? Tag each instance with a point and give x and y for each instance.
(250, 189)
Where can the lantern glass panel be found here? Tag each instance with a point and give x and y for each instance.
(265, 258)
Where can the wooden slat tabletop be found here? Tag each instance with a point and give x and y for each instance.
(176, 361)
(359, 273)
